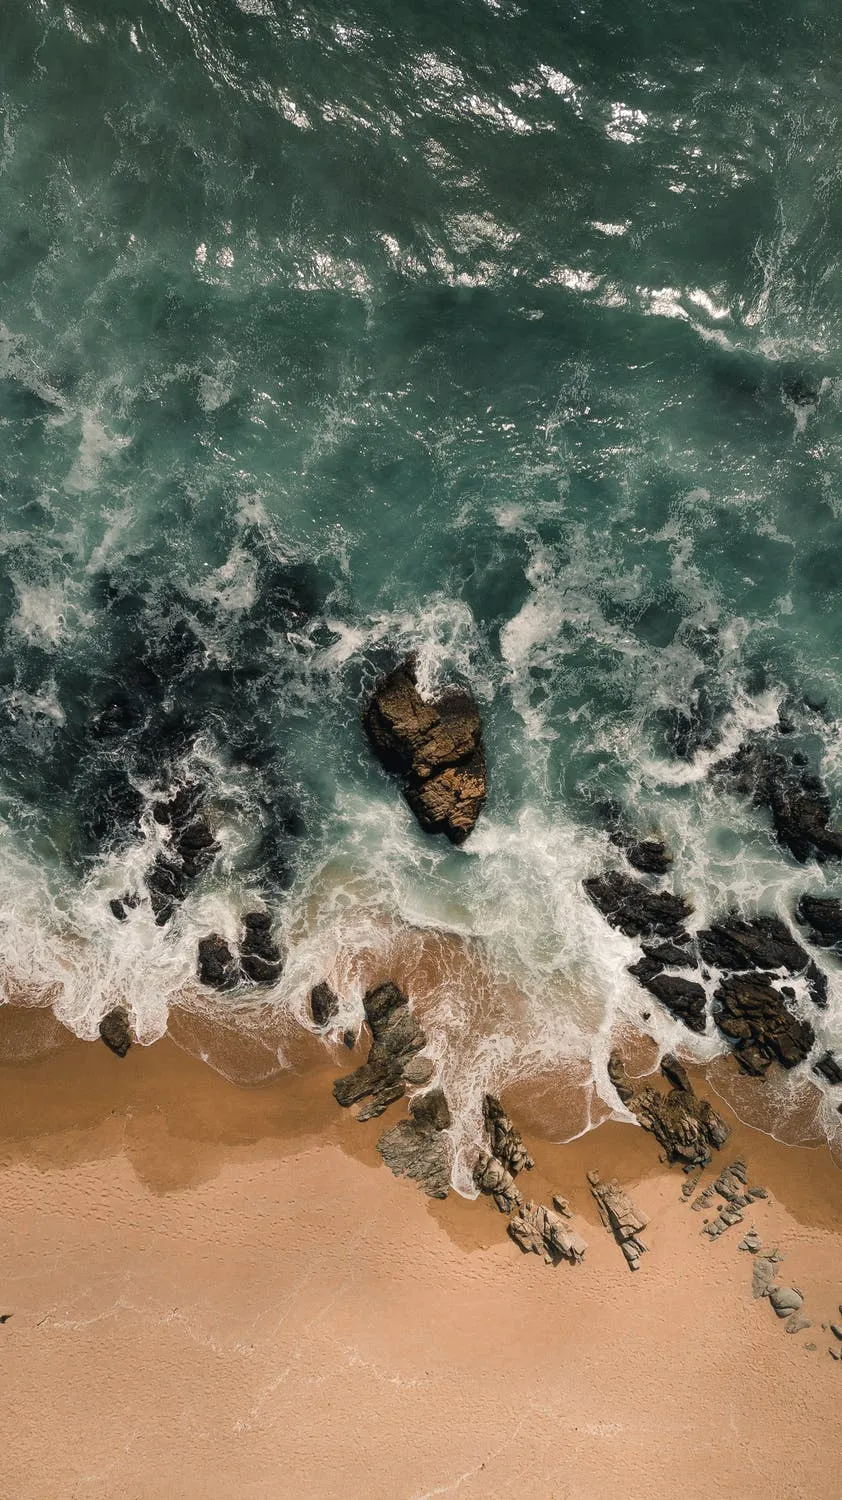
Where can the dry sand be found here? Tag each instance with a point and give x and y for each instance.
(221, 1292)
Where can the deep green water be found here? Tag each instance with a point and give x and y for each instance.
(331, 332)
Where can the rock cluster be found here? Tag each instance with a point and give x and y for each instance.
(393, 1060)
(259, 960)
(115, 1031)
(436, 748)
(753, 1014)
(504, 1140)
(420, 1147)
(546, 1232)
(687, 1128)
(634, 908)
(491, 1177)
(620, 1217)
(823, 915)
(796, 799)
(735, 945)
(190, 850)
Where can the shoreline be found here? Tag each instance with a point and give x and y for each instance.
(235, 1274)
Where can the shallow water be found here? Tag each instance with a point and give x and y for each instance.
(502, 333)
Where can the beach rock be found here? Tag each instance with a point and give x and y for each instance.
(829, 1068)
(217, 965)
(620, 1217)
(649, 856)
(796, 1323)
(396, 1039)
(763, 1273)
(505, 1141)
(670, 955)
(436, 748)
(686, 1128)
(260, 956)
(731, 1184)
(836, 1330)
(754, 1016)
(735, 945)
(324, 1005)
(190, 851)
(492, 1178)
(539, 1230)
(638, 911)
(796, 799)
(115, 1031)
(419, 1148)
(786, 1300)
(725, 1219)
(752, 1242)
(683, 998)
(823, 914)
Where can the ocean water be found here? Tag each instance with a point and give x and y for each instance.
(505, 333)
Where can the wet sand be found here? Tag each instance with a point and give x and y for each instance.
(220, 1291)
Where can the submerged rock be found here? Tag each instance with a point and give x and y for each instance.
(620, 1217)
(115, 1031)
(505, 1141)
(637, 910)
(823, 914)
(392, 1061)
(829, 1068)
(190, 851)
(755, 1018)
(797, 800)
(687, 1128)
(435, 747)
(650, 856)
(217, 965)
(324, 1005)
(539, 1230)
(260, 956)
(419, 1148)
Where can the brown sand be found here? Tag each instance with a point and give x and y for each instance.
(221, 1292)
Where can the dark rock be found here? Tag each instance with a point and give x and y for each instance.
(396, 1039)
(115, 1031)
(260, 957)
(217, 965)
(435, 747)
(754, 1016)
(797, 800)
(118, 909)
(349, 1039)
(505, 1141)
(762, 943)
(419, 1148)
(650, 856)
(539, 1230)
(800, 392)
(670, 955)
(686, 1128)
(683, 998)
(829, 1068)
(824, 915)
(620, 1217)
(324, 1005)
(191, 849)
(634, 908)
(492, 1177)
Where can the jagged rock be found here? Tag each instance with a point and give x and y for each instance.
(735, 945)
(828, 1068)
(634, 908)
(797, 800)
(752, 1242)
(731, 1183)
(834, 1353)
(396, 1038)
(115, 1031)
(686, 1128)
(491, 1177)
(217, 965)
(683, 998)
(562, 1206)
(757, 1192)
(260, 956)
(823, 914)
(118, 909)
(763, 1273)
(620, 1216)
(836, 1330)
(505, 1140)
(703, 1200)
(191, 849)
(797, 1324)
(324, 1005)
(649, 856)
(435, 747)
(724, 1220)
(754, 1016)
(786, 1300)
(419, 1148)
(537, 1229)
(670, 955)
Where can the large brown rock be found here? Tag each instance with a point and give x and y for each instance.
(620, 1217)
(754, 1016)
(420, 1148)
(687, 1128)
(435, 747)
(504, 1140)
(543, 1232)
(392, 1061)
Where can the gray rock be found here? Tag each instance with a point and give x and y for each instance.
(796, 1323)
(687, 1128)
(835, 1352)
(836, 1330)
(420, 1148)
(751, 1243)
(537, 1229)
(763, 1274)
(785, 1300)
(620, 1217)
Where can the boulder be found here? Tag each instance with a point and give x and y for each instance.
(324, 1005)
(762, 943)
(492, 1178)
(786, 1300)
(637, 910)
(754, 1016)
(396, 1039)
(620, 1217)
(217, 965)
(436, 748)
(763, 1272)
(829, 1068)
(115, 1030)
(260, 956)
(505, 1141)
(419, 1148)
(823, 914)
(539, 1230)
(683, 998)
(671, 955)
(649, 856)
(797, 800)
(686, 1128)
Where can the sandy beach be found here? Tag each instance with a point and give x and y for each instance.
(218, 1291)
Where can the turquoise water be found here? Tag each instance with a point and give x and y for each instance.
(507, 333)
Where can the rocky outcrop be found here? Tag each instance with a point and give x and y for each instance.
(541, 1231)
(634, 908)
(829, 1068)
(420, 1148)
(687, 1128)
(683, 998)
(492, 1178)
(753, 1014)
(217, 966)
(649, 856)
(393, 1059)
(260, 956)
(620, 1217)
(324, 1005)
(504, 1140)
(796, 799)
(190, 850)
(735, 944)
(823, 915)
(436, 748)
(115, 1030)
